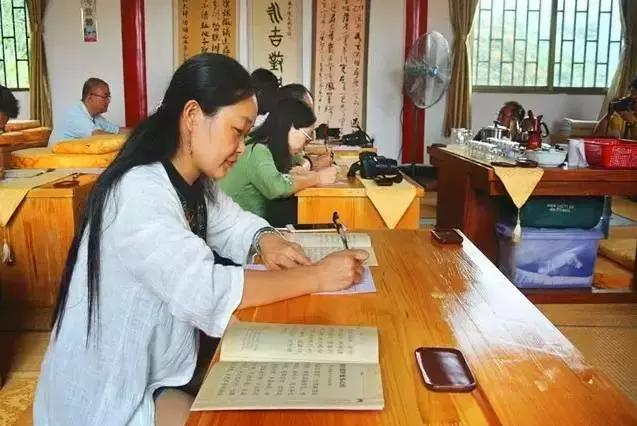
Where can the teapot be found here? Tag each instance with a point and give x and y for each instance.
(531, 128)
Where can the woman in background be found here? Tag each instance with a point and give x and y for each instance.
(266, 86)
(265, 170)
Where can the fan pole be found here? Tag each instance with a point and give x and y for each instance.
(414, 150)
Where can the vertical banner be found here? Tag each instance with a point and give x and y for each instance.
(275, 38)
(206, 26)
(340, 62)
(89, 20)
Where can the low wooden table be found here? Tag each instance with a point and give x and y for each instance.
(41, 233)
(527, 372)
(6, 150)
(468, 199)
(349, 198)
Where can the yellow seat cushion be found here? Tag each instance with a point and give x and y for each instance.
(36, 134)
(98, 144)
(11, 138)
(17, 125)
(44, 158)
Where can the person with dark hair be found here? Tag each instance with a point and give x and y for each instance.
(266, 86)
(140, 277)
(300, 92)
(85, 118)
(621, 119)
(8, 106)
(263, 172)
(511, 110)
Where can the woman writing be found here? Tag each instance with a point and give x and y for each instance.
(266, 171)
(140, 277)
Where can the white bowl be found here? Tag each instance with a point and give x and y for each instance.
(552, 158)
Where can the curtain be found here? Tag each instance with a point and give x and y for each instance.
(39, 92)
(458, 113)
(627, 64)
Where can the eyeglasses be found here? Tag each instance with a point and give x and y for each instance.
(102, 96)
(308, 137)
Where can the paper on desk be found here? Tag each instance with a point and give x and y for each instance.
(366, 285)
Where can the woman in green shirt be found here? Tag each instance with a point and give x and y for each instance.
(267, 169)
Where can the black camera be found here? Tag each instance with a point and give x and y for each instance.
(381, 169)
(357, 138)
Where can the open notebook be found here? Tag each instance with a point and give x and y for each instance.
(317, 245)
(293, 366)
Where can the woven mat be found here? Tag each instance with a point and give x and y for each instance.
(620, 250)
(15, 397)
(607, 336)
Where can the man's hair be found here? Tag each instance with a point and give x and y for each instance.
(91, 84)
(8, 103)
(518, 109)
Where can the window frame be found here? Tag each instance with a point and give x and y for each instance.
(12, 39)
(549, 88)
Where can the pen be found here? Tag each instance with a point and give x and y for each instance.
(340, 229)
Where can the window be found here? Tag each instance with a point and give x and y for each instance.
(14, 57)
(556, 45)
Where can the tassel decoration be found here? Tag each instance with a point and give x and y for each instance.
(7, 257)
(517, 232)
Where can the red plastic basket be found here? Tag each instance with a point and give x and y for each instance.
(609, 153)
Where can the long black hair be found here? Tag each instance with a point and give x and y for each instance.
(274, 131)
(214, 81)
(266, 86)
(295, 91)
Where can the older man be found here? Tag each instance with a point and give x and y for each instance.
(85, 118)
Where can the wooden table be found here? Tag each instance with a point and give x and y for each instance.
(527, 372)
(349, 198)
(6, 150)
(41, 232)
(468, 199)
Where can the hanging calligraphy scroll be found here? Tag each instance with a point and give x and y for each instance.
(340, 61)
(206, 26)
(275, 38)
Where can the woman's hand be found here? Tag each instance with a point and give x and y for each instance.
(340, 270)
(327, 176)
(279, 253)
(322, 161)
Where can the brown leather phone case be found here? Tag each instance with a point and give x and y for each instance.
(447, 236)
(444, 370)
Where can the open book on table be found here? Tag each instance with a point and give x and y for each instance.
(294, 366)
(317, 245)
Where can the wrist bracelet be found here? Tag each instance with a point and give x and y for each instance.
(261, 232)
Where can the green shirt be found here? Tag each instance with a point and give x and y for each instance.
(254, 179)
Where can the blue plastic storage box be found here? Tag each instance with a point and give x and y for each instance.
(548, 258)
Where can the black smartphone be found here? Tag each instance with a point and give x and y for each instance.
(444, 370)
(447, 236)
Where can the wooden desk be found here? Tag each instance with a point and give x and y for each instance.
(349, 198)
(468, 199)
(528, 373)
(41, 232)
(6, 150)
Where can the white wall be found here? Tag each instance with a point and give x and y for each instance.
(71, 61)
(159, 49)
(23, 102)
(385, 58)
